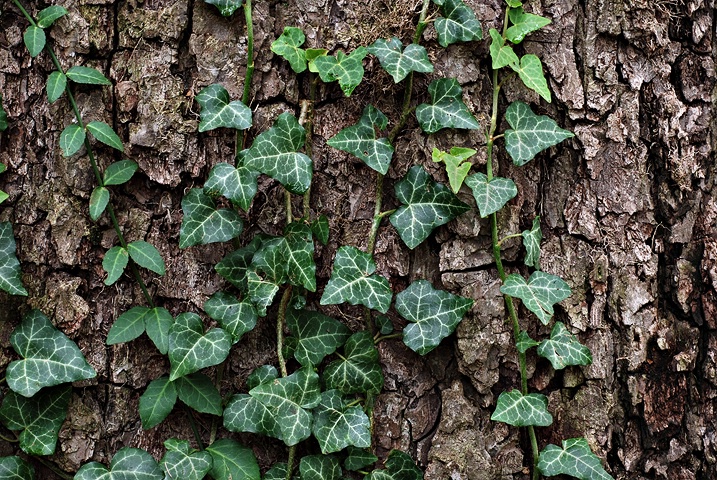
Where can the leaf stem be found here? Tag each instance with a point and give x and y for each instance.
(306, 120)
(387, 337)
(280, 318)
(290, 462)
(508, 237)
(9, 440)
(242, 135)
(195, 430)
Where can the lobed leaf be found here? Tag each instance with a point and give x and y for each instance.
(358, 371)
(347, 69)
(530, 72)
(114, 263)
(34, 39)
(287, 46)
(458, 24)
(56, 85)
(190, 349)
(234, 316)
(531, 242)
(226, 7)
(317, 335)
(491, 195)
(575, 458)
(399, 62)
(203, 223)
(520, 410)
(523, 343)
(456, 165)
(447, 109)
(47, 16)
(104, 133)
(539, 294)
(360, 140)
(127, 464)
(15, 468)
(198, 392)
(244, 413)
(146, 256)
(563, 349)
(337, 425)
(261, 292)
(523, 23)
(237, 184)
(501, 54)
(86, 75)
(10, 273)
(157, 402)
(399, 466)
(183, 462)
(119, 172)
(530, 133)
(71, 139)
(319, 467)
(218, 111)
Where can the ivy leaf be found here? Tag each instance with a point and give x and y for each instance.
(119, 172)
(311, 55)
(530, 133)
(261, 374)
(87, 75)
(245, 413)
(270, 259)
(320, 229)
(226, 7)
(237, 184)
(127, 464)
(218, 111)
(358, 371)
(337, 425)
(426, 205)
(384, 324)
(521, 410)
(563, 349)
(400, 63)
(157, 323)
(523, 343)
(39, 418)
(319, 467)
(104, 133)
(114, 263)
(523, 24)
(575, 459)
(531, 241)
(358, 459)
(287, 46)
(132, 323)
(56, 85)
(299, 255)
(49, 357)
(35, 40)
(183, 462)
(146, 256)
(233, 267)
(491, 195)
(501, 54)
(347, 69)
(10, 273)
(317, 335)
(458, 24)
(399, 466)
(157, 402)
(353, 280)
(276, 472)
(539, 294)
(456, 166)
(198, 392)
(190, 349)
(71, 139)
(234, 316)
(447, 109)
(261, 292)
(435, 315)
(531, 73)
(203, 223)
(15, 468)
(514, 3)
(47, 16)
(274, 153)
(360, 140)
(3, 117)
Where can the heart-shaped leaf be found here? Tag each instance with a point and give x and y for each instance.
(319, 467)
(531, 242)
(35, 40)
(47, 16)
(237, 184)
(104, 133)
(520, 410)
(15, 468)
(399, 466)
(232, 461)
(203, 223)
(501, 54)
(575, 459)
(190, 349)
(157, 402)
(71, 139)
(531, 73)
(183, 462)
(114, 263)
(10, 273)
(458, 24)
(491, 195)
(530, 133)
(56, 85)
(147, 256)
(261, 292)
(218, 111)
(360, 140)
(435, 315)
(320, 229)
(353, 280)
(299, 255)
(539, 294)
(523, 343)
(456, 165)
(311, 55)
(245, 413)
(49, 357)
(287, 46)
(226, 7)
(234, 316)
(198, 392)
(119, 172)
(127, 464)
(563, 349)
(338, 425)
(39, 418)
(426, 205)
(87, 75)
(358, 371)
(523, 24)
(347, 69)
(317, 335)
(358, 459)
(400, 63)
(275, 153)
(99, 199)
(447, 109)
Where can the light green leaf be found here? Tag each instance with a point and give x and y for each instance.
(530, 133)
(563, 349)
(71, 139)
(99, 199)
(87, 75)
(119, 172)
(358, 371)
(317, 335)
(399, 466)
(319, 467)
(426, 205)
(358, 459)
(232, 461)
(531, 73)
(218, 111)
(514, 3)
(575, 459)
(198, 392)
(491, 196)
(15, 468)
(49, 357)
(128, 326)
(287, 46)
(190, 349)
(347, 69)
(157, 323)
(10, 274)
(104, 133)
(458, 24)
(233, 267)
(261, 374)
(182, 462)
(523, 343)
(146, 256)
(456, 166)
(523, 24)
(521, 410)
(35, 39)
(47, 16)
(539, 294)
(275, 153)
(311, 55)
(234, 316)
(531, 242)
(203, 223)
(447, 109)
(337, 425)
(39, 418)
(501, 54)
(114, 263)
(237, 184)
(320, 229)
(245, 413)
(400, 63)
(56, 85)
(360, 140)
(353, 280)
(3, 196)
(261, 292)
(226, 7)
(127, 464)
(434, 314)
(157, 402)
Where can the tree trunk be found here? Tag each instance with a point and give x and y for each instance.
(627, 209)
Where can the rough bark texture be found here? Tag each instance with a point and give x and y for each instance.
(628, 213)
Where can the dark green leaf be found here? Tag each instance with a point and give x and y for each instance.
(234, 316)
(3, 117)
(456, 165)
(317, 335)
(524, 342)
(531, 73)
(198, 392)
(276, 472)
(261, 292)
(521, 410)
(157, 402)
(128, 326)
(531, 242)
(71, 139)
(398, 467)
(348, 70)
(491, 196)
(34, 40)
(99, 199)
(523, 24)
(299, 255)
(47, 16)
(120, 172)
(320, 229)
(337, 425)
(218, 111)
(400, 63)
(360, 140)
(384, 324)
(458, 24)
(233, 267)
(157, 323)
(114, 263)
(190, 349)
(539, 294)
(127, 464)
(287, 46)
(104, 133)
(359, 370)
(146, 256)
(56, 85)
(447, 109)
(203, 223)
(261, 374)
(575, 459)
(87, 75)
(232, 461)
(10, 274)
(319, 467)
(501, 54)
(358, 459)
(530, 133)
(226, 7)
(237, 184)
(182, 462)
(245, 413)
(15, 468)
(563, 349)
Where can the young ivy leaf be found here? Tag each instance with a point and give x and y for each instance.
(234, 316)
(320, 229)
(114, 263)
(426, 205)
(358, 371)
(287, 46)
(56, 85)
(157, 402)
(218, 111)
(203, 223)
(434, 314)
(399, 466)
(447, 109)
(15, 468)
(491, 196)
(190, 349)
(146, 256)
(530, 133)
(524, 343)
(458, 24)
(182, 461)
(237, 184)
(530, 72)
(337, 425)
(531, 242)
(35, 40)
(104, 133)
(500, 53)
(10, 273)
(320, 467)
(128, 326)
(575, 459)
(563, 349)
(360, 140)
(456, 165)
(317, 335)
(261, 374)
(71, 139)
(539, 294)
(523, 24)
(226, 7)
(232, 461)
(347, 69)
(199, 393)
(520, 410)
(119, 172)
(47, 16)
(311, 55)
(400, 63)
(233, 267)
(87, 75)
(514, 3)
(3, 117)
(99, 199)
(128, 463)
